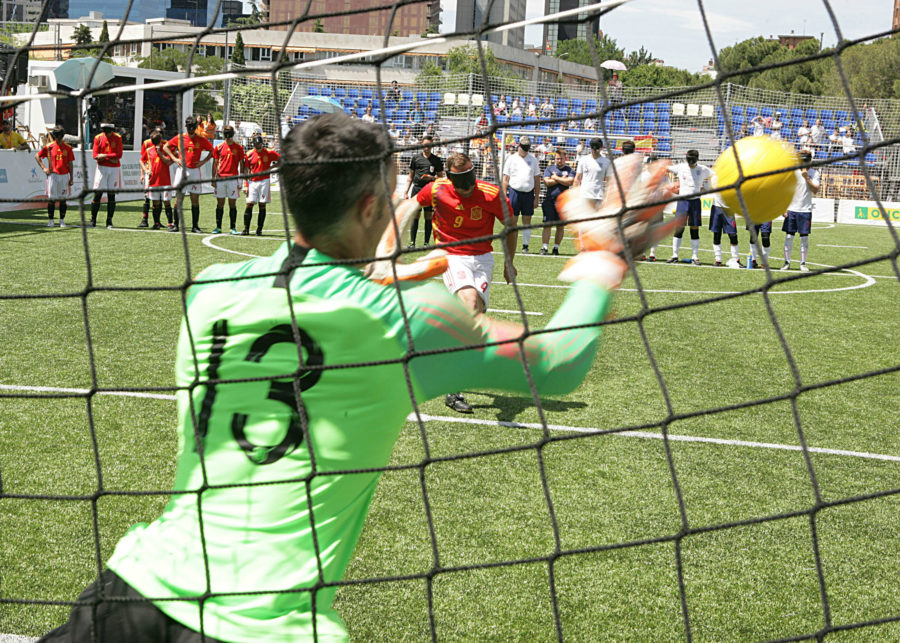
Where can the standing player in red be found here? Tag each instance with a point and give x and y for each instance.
(465, 209)
(108, 175)
(187, 150)
(258, 188)
(228, 162)
(59, 174)
(155, 166)
(145, 178)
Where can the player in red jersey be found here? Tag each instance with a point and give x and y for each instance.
(228, 162)
(145, 179)
(258, 188)
(187, 150)
(59, 174)
(465, 210)
(155, 166)
(108, 175)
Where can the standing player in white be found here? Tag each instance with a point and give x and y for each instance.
(720, 220)
(798, 219)
(591, 172)
(522, 185)
(692, 178)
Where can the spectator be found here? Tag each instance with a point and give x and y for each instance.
(579, 150)
(776, 125)
(417, 114)
(393, 92)
(544, 148)
(847, 142)
(546, 108)
(516, 108)
(560, 133)
(368, 117)
(532, 108)
(817, 133)
(759, 125)
(803, 135)
(589, 124)
(616, 95)
(209, 127)
(500, 107)
(394, 132)
(424, 168)
(834, 140)
(286, 126)
(10, 139)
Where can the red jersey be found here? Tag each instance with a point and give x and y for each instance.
(229, 157)
(261, 162)
(159, 169)
(146, 145)
(458, 219)
(108, 144)
(194, 146)
(60, 155)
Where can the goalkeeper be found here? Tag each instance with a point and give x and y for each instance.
(279, 442)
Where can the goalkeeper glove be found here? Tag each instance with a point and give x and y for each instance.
(381, 271)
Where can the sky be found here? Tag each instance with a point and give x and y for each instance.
(673, 29)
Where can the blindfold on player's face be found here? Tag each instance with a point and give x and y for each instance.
(462, 180)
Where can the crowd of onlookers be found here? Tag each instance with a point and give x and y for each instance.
(816, 137)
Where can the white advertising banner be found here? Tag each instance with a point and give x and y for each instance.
(823, 210)
(868, 212)
(21, 179)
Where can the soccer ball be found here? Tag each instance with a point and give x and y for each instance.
(768, 196)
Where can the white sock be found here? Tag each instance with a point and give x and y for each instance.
(543, 246)
(676, 246)
(695, 247)
(735, 252)
(788, 247)
(766, 250)
(653, 250)
(526, 236)
(804, 248)
(717, 250)
(753, 252)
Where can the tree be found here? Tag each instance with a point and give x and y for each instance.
(166, 60)
(638, 58)
(237, 56)
(318, 27)
(659, 76)
(83, 41)
(870, 70)
(579, 51)
(104, 34)
(747, 53)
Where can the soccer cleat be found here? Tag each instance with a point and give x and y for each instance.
(156, 226)
(245, 232)
(718, 263)
(803, 268)
(754, 265)
(458, 403)
(556, 251)
(93, 223)
(109, 226)
(233, 231)
(196, 229)
(696, 262)
(524, 248)
(217, 231)
(62, 224)
(143, 223)
(651, 258)
(172, 227)
(544, 251)
(786, 266)
(411, 245)
(672, 260)
(259, 233)
(50, 223)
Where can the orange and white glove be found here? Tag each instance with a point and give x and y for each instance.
(598, 235)
(381, 270)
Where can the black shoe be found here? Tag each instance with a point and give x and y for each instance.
(696, 262)
(245, 232)
(672, 260)
(543, 251)
(156, 226)
(718, 263)
(196, 229)
(651, 258)
(524, 248)
(93, 223)
(555, 251)
(458, 403)
(259, 233)
(143, 223)
(754, 265)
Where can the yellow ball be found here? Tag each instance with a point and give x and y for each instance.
(768, 196)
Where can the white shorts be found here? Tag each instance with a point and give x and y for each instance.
(227, 189)
(187, 174)
(147, 186)
(58, 187)
(107, 178)
(473, 271)
(258, 192)
(164, 193)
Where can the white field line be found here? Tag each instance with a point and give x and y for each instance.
(657, 436)
(828, 245)
(513, 312)
(84, 391)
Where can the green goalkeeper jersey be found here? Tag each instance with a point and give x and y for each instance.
(277, 441)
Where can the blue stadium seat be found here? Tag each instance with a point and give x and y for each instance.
(826, 115)
(435, 96)
(590, 105)
(571, 142)
(502, 119)
(663, 116)
(389, 114)
(360, 111)
(303, 111)
(634, 129)
(431, 115)
(796, 113)
(664, 129)
(842, 116)
(751, 112)
(340, 92)
(811, 115)
(618, 127)
(870, 157)
(422, 96)
(407, 96)
(366, 94)
(665, 147)
(312, 91)
(578, 105)
(767, 112)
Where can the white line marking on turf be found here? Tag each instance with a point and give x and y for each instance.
(207, 241)
(84, 391)
(827, 245)
(657, 436)
(513, 312)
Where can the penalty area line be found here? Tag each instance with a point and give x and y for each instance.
(84, 391)
(657, 436)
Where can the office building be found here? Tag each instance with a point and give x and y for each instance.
(556, 32)
(472, 14)
(412, 20)
(200, 13)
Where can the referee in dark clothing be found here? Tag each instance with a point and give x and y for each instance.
(423, 169)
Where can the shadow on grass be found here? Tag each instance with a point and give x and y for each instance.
(509, 407)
